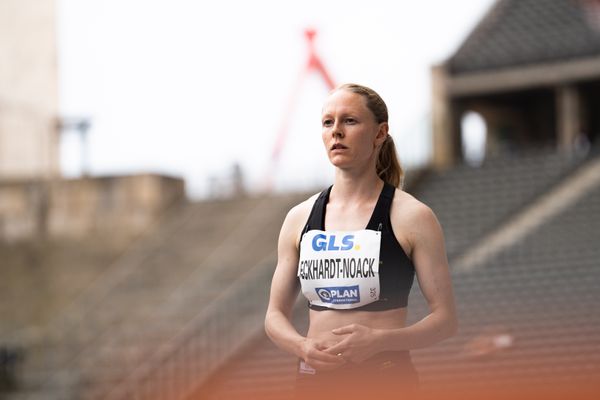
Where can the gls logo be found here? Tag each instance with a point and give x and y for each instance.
(321, 243)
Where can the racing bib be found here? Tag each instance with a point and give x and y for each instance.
(340, 269)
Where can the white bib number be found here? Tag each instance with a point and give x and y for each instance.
(340, 269)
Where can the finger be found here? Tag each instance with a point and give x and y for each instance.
(339, 348)
(333, 358)
(344, 330)
(325, 345)
(326, 357)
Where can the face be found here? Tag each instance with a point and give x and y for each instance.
(351, 135)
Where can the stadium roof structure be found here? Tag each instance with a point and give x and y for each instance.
(525, 32)
(531, 69)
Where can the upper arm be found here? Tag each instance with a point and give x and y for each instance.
(429, 258)
(285, 285)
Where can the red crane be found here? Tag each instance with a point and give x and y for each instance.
(313, 64)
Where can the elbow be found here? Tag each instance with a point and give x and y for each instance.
(447, 326)
(269, 325)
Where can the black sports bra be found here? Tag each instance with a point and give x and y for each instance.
(396, 270)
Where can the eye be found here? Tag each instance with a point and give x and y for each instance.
(327, 122)
(350, 121)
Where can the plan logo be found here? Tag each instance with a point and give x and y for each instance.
(339, 294)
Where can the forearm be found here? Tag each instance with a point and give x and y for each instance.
(434, 328)
(280, 330)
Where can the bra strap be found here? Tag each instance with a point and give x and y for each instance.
(316, 219)
(381, 214)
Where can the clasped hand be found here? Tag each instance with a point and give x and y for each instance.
(356, 345)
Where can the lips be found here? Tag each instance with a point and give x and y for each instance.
(338, 146)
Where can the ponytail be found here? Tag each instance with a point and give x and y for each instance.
(388, 167)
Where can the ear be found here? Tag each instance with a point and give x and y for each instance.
(381, 134)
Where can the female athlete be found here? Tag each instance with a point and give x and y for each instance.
(353, 251)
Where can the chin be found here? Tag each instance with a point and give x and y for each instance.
(338, 162)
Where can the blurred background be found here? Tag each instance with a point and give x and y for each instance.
(149, 151)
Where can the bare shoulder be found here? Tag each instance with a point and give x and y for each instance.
(302, 210)
(297, 216)
(412, 220)
(410, 209)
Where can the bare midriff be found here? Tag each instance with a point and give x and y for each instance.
(322, 322)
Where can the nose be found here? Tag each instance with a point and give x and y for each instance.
(337, 132)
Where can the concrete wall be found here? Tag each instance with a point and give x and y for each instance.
(28, 89)
(119, 206)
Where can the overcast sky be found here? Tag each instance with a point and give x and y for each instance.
(188, 88)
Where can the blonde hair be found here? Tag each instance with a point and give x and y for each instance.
(388, 166)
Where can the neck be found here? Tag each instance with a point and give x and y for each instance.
(352, 186)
